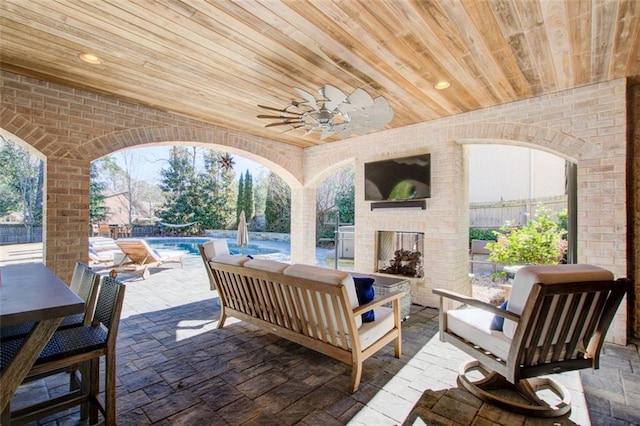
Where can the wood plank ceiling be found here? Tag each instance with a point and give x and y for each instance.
(216, 60)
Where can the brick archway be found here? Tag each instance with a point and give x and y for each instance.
(564, 145)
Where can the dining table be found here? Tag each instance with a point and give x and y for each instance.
(31, 293)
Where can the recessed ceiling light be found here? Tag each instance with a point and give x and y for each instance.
(90, 58)
(441, 85)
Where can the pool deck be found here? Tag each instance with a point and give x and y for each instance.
(32, 252)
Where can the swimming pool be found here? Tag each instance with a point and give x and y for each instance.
(191, 245)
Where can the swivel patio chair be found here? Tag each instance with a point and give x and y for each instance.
(555, 321)
(84, 283)
(78, 346)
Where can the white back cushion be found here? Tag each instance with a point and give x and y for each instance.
(527, 276)
(213, 248)
(231, 259)
(267, 265)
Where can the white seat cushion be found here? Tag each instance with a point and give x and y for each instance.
(473, 324)
(328, 276)
(527, 276)
(267, 265)
(371, 332)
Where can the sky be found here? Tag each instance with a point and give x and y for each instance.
(153, 159)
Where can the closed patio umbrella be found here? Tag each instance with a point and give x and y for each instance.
(243, 232)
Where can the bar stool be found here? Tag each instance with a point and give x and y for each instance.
(80, 346)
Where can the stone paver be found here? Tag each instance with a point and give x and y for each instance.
(176, 368)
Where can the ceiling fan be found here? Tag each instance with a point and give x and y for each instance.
(333, 113)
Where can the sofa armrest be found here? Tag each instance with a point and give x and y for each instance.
(388, 298)
(476, 303)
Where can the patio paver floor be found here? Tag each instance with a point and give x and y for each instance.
(176, 368)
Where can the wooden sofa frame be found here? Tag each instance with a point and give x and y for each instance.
(311, 313)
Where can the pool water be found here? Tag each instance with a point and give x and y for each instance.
(191, 245)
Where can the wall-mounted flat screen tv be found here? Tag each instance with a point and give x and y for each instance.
(406, 178)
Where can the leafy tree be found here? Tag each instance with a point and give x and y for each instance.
(539, 242)
(131, 166)
(97, 210)
(9, 197)
(23, 175)
(277, 209)
(346, 204)
(336, 189)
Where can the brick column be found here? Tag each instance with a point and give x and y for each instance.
(633, 203)
(66, 215)
(303, 225)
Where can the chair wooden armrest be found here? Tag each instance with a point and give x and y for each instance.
(476, 304)
(388, 298)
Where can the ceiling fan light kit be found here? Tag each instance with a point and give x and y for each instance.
(333, 113)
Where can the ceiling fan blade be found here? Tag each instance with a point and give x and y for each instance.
(381, 113)
(332, 96)
(360, 99)
(326, 134)
(274, 109)
(284, 123)
(279, 116)
(292, 128)
(308, 97)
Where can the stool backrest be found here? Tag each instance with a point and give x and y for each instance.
(85, 283)
(109, 306)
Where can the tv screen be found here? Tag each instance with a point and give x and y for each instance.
(398, 179)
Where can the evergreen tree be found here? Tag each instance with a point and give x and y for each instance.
(177, 184)
(277, 208)
(247, 202)
(97, 210)
(240, 198)
(214, 208)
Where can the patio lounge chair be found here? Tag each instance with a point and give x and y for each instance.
(104, 251)
(138, 256)
(556, 320)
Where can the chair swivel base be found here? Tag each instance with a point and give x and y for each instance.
(527, 403)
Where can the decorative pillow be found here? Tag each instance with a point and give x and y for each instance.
(498, 322)
(365, 292)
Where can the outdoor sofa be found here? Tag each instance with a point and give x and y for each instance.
(309, 305)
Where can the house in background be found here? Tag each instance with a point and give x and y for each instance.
(118, 209)
(535, 178)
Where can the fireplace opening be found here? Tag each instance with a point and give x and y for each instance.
(400, 253)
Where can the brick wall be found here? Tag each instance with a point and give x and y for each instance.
(634, 206)
(585, 125)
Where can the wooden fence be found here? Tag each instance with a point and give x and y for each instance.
(19, 234)
(518, 212)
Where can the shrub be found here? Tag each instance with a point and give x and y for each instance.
(488, 234)
(539, 242)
